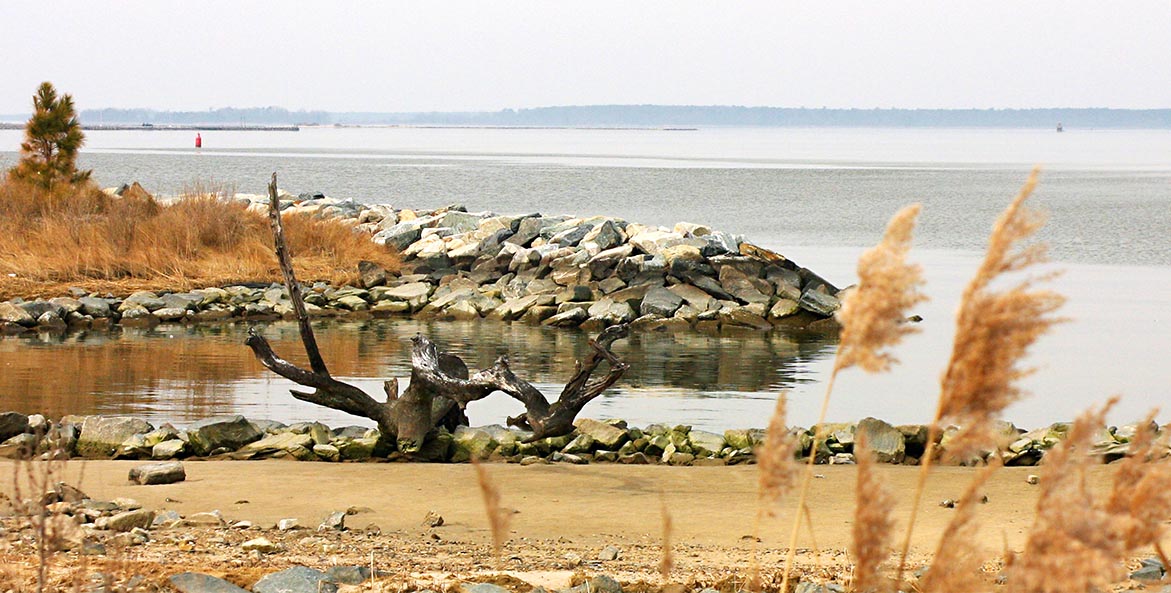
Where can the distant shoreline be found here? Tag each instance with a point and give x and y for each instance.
(646, 116)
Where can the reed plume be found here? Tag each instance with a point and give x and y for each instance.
(1072, 546)
(776, 461)
(873, 319)
(667, 561)
(1141, 495)
(873, 522)
(498, 516)
(777, 474)
(994, 329)
(957, 557)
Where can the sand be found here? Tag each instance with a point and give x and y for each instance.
(564, 516)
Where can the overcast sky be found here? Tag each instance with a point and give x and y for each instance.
(421, 56)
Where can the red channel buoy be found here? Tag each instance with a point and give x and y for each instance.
(198, 141)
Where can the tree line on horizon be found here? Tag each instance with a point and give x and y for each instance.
(655, 116)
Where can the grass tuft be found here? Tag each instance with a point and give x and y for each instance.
(80, 236)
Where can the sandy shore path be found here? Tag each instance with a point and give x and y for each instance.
(561, 510)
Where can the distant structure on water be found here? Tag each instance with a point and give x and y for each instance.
(1059, 127)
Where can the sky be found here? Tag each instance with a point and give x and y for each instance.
(460, 56)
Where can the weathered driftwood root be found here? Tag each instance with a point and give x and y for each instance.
(440, 387)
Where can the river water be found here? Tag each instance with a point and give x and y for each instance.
(819, 196)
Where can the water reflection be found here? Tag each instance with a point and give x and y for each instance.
(180, 373)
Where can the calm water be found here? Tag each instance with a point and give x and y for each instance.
(819, 196)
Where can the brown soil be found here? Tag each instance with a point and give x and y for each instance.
(564, 515)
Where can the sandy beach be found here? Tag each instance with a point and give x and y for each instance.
(564, 516)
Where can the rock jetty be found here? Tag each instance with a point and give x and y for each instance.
(560, 271)
(592, 441)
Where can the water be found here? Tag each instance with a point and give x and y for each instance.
(819, 196)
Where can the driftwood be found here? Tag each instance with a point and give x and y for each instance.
(440, 387)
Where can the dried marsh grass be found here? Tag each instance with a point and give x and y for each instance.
(873, 316)
(957, 560)
(80, 236)
(995, 327)
(873, 526)
(873, 319)
(498, 516)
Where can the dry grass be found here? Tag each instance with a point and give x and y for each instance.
(957, 560)
(873, 319)
(80, 236)
(873, 523)
(995, 327)
(498, 516)
(873, 316)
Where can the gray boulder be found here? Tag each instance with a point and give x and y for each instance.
(167, 472)
(471, 443)
(298, 579)
(371, 274)
(611, 312)
(123, 522)
(886, 441)
(660, 301)
(705, 444)
(400, 236)
(14, 314)
(231, 432)
(94, 307)
(12, 424)
(194, 582)
(102, 435)
(606, 436)
(819, 302)
(348, 575)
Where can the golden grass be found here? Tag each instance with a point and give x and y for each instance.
(995, 327)
(873, 526)
(80, 236)
(873, 319)
(498, 517)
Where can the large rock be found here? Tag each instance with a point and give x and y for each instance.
(298, 579)
(194, 582)
(471, 443)
(158, 473)
(371, 274)
(12, 424)
(660, 301)
(102, 435)
(740, 285)
(885, 440)
(611, 312)
(122, 522)
(529, 229)
(606, 436)
(299, 445)
(94, 307)
(13, 314)
(226, 432)
(818, 302)
(652, 242)
(399, 236)
(705, 444)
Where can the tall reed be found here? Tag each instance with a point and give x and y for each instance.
(873, 319)
(873, 522)
(498, 516)
(994, 329)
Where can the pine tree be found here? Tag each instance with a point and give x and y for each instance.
(48, 155)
